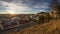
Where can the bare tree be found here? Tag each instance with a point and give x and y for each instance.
(56, 6)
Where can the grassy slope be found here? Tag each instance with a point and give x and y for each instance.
(52, 27)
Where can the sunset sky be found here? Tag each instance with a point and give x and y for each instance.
(25, 6)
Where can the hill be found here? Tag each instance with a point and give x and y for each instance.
(52, 27)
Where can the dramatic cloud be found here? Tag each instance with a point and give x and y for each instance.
(24, 6)
(13, 7)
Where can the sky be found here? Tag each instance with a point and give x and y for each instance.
(25, 6)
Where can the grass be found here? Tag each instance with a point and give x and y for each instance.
(52, 27)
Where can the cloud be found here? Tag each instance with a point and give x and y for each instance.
(23, 6)
(3, 6)
(7, 0)
(13, 6)
(44, 5)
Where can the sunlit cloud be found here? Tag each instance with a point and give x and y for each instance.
(14, 7)
(22, 6)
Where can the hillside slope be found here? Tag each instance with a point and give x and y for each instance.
(52, 27)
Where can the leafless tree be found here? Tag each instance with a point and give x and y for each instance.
(56, 6)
